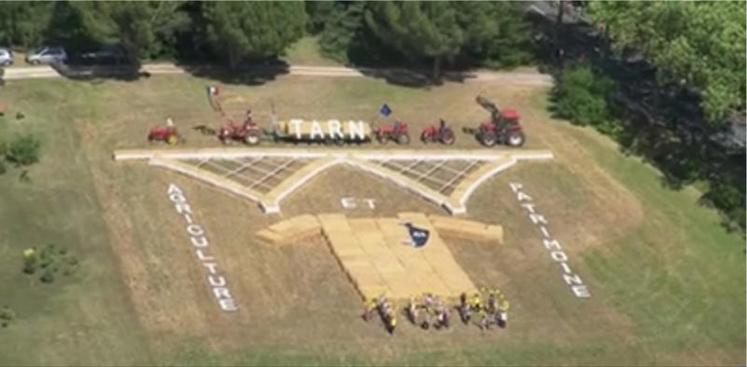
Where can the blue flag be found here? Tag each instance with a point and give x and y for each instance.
(385, 110)
(419, 236)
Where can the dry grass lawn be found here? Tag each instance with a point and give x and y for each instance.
(295, 304)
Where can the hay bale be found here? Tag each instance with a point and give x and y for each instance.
(270, 236)
(467, 229)
(334, 222)
(363, 225)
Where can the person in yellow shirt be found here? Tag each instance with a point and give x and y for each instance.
(369, 306)
(475, 302)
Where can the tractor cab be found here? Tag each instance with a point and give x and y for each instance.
(510, 116)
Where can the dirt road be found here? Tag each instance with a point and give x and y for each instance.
(510, 78)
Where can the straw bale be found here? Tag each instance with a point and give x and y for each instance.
(496, 232)
(336, 222)
(365, 225)
(282, 226)
(269, 236)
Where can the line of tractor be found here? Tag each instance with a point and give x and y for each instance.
(503, 128)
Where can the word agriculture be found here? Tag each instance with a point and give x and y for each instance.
(200, 244)
(577, 286)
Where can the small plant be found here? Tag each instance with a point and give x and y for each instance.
(23, 151)
(6, 316)
(49, 261)
(30, 260)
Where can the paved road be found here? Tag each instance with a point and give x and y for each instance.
(526, 78)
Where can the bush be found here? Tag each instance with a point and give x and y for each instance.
(581, 96)
(23, 151)
(50, 260)
(6, 316)
(30, 261)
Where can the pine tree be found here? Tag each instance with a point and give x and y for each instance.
(253, 30)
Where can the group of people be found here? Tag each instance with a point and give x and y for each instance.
(428, 310)
(384, 308)
(489, 306)
(485, 308)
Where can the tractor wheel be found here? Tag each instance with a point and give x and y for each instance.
(447, 137)
(515, 139)
(403, 139)
(488, 139)
(172, 140)
(382, 138)
(251, 138)
(424, 137)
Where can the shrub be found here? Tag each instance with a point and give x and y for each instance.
(581, 96)
(30, 261)
(50, 261)
(23, 151)
(6, 316)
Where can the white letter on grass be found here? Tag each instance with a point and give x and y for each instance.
(316, 130)
(296, 123)
(357, 132)
(335, 129)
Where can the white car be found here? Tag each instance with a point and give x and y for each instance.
(47, 55)
(6, 57)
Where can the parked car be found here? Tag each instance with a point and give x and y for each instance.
(6, 57)
(47, 55)
(107, 55)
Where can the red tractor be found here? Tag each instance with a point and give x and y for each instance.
(167, 134)
(248, 132)
(503, 127)
(397, 132)
(441, 134)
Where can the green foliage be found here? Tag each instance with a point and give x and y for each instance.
(24, 23)
(23, 151)
(50, 260)
(253, 30)
(497, 35)
(730, 200)
(492, 34)
(418, 29)
(344, 22)
(144, 28)
(7, 315)
(698, 44)
(581, 96)
(318, 14)
(3, 150)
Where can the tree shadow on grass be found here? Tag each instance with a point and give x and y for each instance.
(663, 124)
(98, 72)
(414, 78)
(255, 74)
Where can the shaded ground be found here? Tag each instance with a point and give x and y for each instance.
(650, 256)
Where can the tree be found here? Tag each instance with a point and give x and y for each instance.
(23, 23)
(496, 33)
(144, 29)
(698, 45)
(253, 30)
(418, 29)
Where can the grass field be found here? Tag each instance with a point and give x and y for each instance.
(667, 280)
